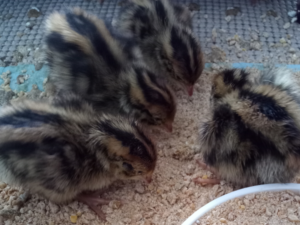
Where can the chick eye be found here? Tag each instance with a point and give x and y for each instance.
(127, 166)
(140, 172)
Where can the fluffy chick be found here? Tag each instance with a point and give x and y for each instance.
(253, 134)
(167, 45)
(90, 58)
(59, 152)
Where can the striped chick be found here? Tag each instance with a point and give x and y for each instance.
(253, 133)
(90, 58)
(61, 153)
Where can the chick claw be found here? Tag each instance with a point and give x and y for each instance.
(206, 181)
(206, 167)
(210, 169)
(93, 200)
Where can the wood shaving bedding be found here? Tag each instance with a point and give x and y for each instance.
(169, 200)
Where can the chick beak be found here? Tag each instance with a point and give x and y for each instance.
(148, 179)
(168, 126)
(190, 89)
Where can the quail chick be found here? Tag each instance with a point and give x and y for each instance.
(88, 57)
(60, 153)
(253, 133)
(166, 39)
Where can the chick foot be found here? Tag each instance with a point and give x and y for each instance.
(93, 201)
(210, 169)
(206, 167)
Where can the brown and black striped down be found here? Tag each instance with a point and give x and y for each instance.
(165, 36)
(58, 152)
(183, 15)
(253, 134)
(90, 58)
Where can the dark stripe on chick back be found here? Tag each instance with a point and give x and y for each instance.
(261, 146)
(150, 94)
(161, 12)
(293, 137)
(56, 42)
(222, 118)
(267, 105)
(141, 14)
(145, 26)
(230, 79)
(258, 145)
(80, 64)
(28, 118)
(68, 157)
(127, 139)
(197, 60)
(87, 28)
(82, 67)
(52, 145)
(74, 103)
(17, 148)
(180, 50)
(195, 48)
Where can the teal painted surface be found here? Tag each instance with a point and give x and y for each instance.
(37, 77)
(293, 67)
(260, 66)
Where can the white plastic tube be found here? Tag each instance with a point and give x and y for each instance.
(239, 193)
